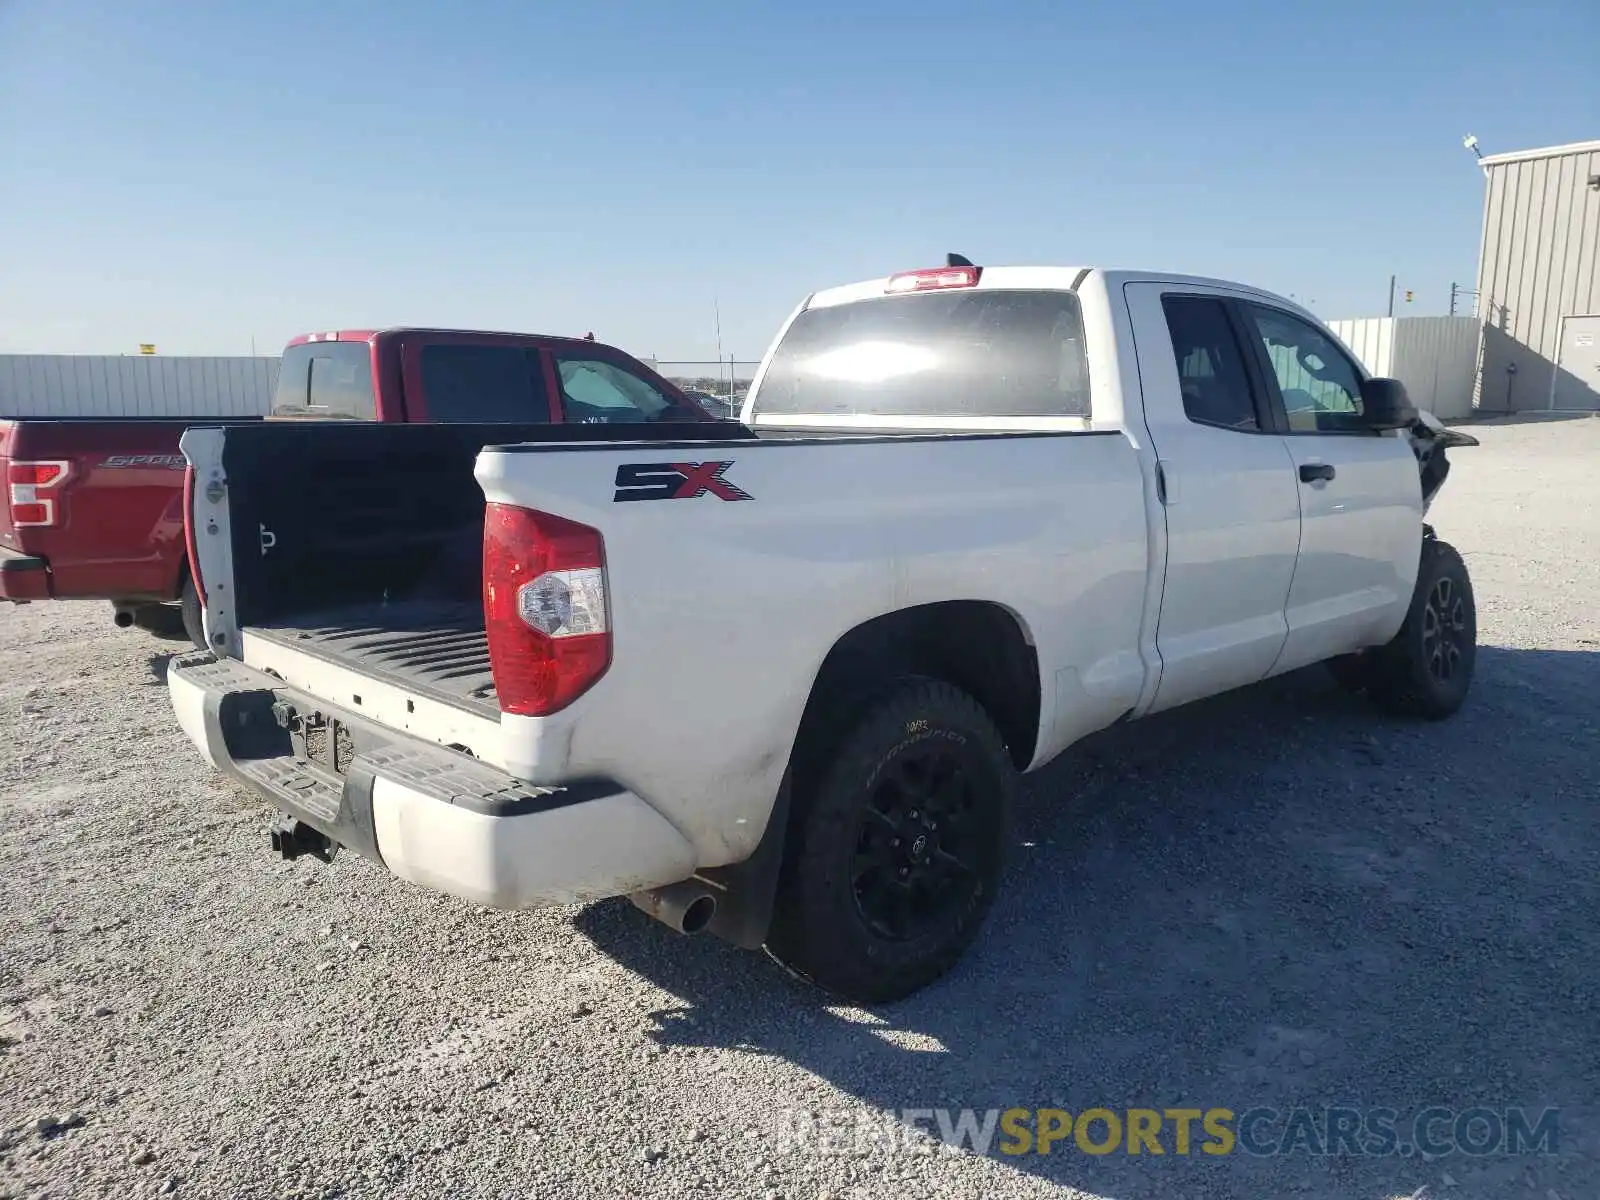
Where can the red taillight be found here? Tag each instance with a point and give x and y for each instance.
(544, 604)
(29, 486)
(933, 280)
(190, 543)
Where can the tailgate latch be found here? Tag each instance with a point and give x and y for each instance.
(285, 715)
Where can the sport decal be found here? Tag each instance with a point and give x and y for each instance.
(171, 462)
(675, 481)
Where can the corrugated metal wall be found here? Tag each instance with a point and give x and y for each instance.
(88, 385)
(1372, 339)
(1541, 246)
(1435, 357)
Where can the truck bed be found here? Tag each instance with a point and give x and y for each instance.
(435, 648)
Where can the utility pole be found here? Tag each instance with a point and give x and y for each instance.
(716, 312)
(1458, 294)
(1391, 295)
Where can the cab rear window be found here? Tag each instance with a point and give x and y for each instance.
(995, 353)
(326, 379)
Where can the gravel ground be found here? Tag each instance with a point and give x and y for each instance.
(1275, 898)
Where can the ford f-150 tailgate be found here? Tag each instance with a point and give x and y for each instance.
(92, 508)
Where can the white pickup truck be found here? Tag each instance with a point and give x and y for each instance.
(778, 678)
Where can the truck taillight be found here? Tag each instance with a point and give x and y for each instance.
(544, 605)
(31, 487)
(190, 544)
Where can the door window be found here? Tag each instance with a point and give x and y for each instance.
(595, 390)
(1211, 370)
(1321, 387)
(466, 382)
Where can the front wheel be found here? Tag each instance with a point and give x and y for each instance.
(898, 846)
(1426, 670)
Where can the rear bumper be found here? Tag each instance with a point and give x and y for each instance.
(23, 576)
(428, 814)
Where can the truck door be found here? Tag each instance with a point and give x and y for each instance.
(1230, 498)
(1360, 493)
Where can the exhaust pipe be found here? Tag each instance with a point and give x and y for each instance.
(687, 906)
(163, 620)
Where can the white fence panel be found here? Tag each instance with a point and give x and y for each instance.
(1372, 340)
(90, 385)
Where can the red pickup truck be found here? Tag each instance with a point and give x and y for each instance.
(94, 508)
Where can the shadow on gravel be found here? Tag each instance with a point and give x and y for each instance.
(1525, 418)
(158, 669)
(1276, 898)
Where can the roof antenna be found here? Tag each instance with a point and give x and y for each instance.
(958, 260)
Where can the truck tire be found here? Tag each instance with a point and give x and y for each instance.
(189, 604)
(896, 848)
(162, 621)
(1426, 669)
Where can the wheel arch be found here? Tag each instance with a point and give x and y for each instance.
(979, 646)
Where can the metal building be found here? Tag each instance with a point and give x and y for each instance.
(108, 385)
(1435, 357)
(1539, 281)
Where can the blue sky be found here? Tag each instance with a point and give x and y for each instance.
(204, 175)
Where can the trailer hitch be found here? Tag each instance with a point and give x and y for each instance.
(292, 837)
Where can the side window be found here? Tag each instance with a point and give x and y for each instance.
(293, 390)
(464, 382)
(1211, 370)
(1320, 385)
(595, 390)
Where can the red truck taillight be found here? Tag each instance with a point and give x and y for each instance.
(191, 546)
(31, 487)
(544, 605)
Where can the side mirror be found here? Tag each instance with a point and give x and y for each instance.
(1385, 405)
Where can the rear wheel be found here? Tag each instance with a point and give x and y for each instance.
(1426, 670)
(898, 843)
(189, 605)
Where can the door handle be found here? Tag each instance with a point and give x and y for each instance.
(1311, 472)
